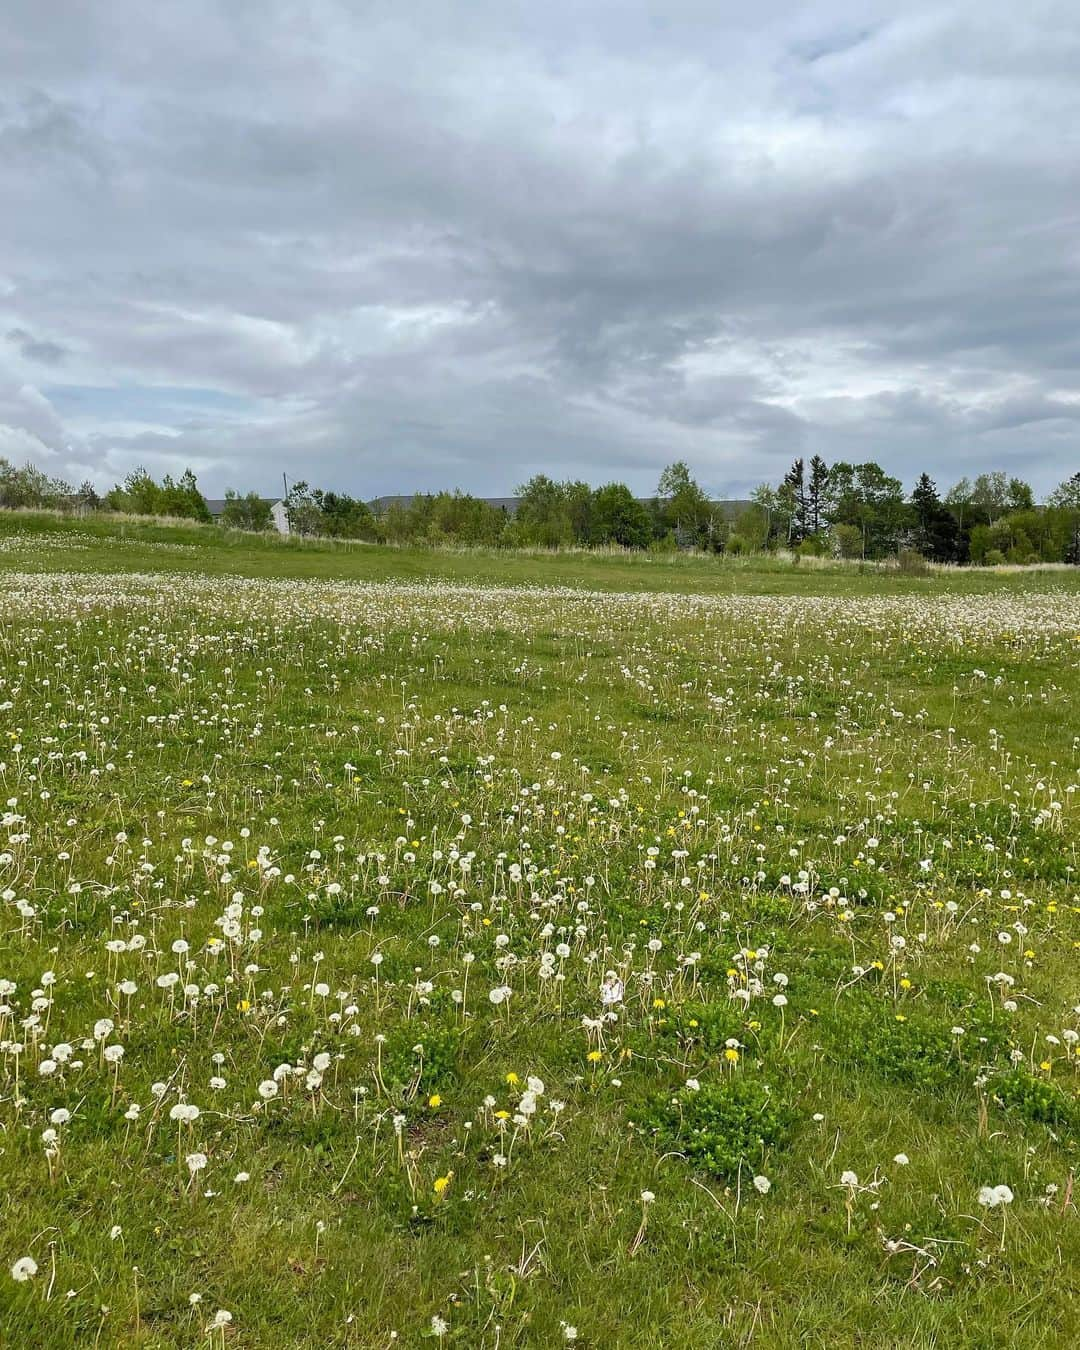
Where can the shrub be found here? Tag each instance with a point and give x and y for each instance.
(1035, 1099)
(912, 563)
(723, 1126)
(667, 543)
(847, 541)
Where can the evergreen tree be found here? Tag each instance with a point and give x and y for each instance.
(87, 497)
(935, 527)
(1064, 502)
(817, 495)
(344, 517)
(183, 499)
(796, 502)
(926, 503)
(138, 495)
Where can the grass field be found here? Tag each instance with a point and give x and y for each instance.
(50, 541)
(405, 948)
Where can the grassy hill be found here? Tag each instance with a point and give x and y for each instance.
(115, 543)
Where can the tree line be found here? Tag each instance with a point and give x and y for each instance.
(549, 514)
(841, 510)
(860, 511)
(28, 487)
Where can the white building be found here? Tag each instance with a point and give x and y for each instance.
(279, 516)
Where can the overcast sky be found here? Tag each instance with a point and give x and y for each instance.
(403, 245)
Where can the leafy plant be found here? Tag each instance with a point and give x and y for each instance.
(723, 1126)
(1036, 1099)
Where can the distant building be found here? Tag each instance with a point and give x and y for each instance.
(278, 514)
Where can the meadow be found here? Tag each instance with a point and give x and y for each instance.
(418, 948)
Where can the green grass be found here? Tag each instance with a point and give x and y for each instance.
(861, 783)
(45, 540)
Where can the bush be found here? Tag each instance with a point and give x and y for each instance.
(250, 512)
(140, 495)
(667, 543)
(847, 541)
(723, 1126)
(912, 563)
(1035, 1099)
(994, 557)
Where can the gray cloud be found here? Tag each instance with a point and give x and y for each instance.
(44, 352)
(399, 246)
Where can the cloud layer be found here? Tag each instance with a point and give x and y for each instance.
(399, 246)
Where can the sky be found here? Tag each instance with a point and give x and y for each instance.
(404, 246)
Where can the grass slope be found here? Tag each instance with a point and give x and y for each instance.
(107, 543)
